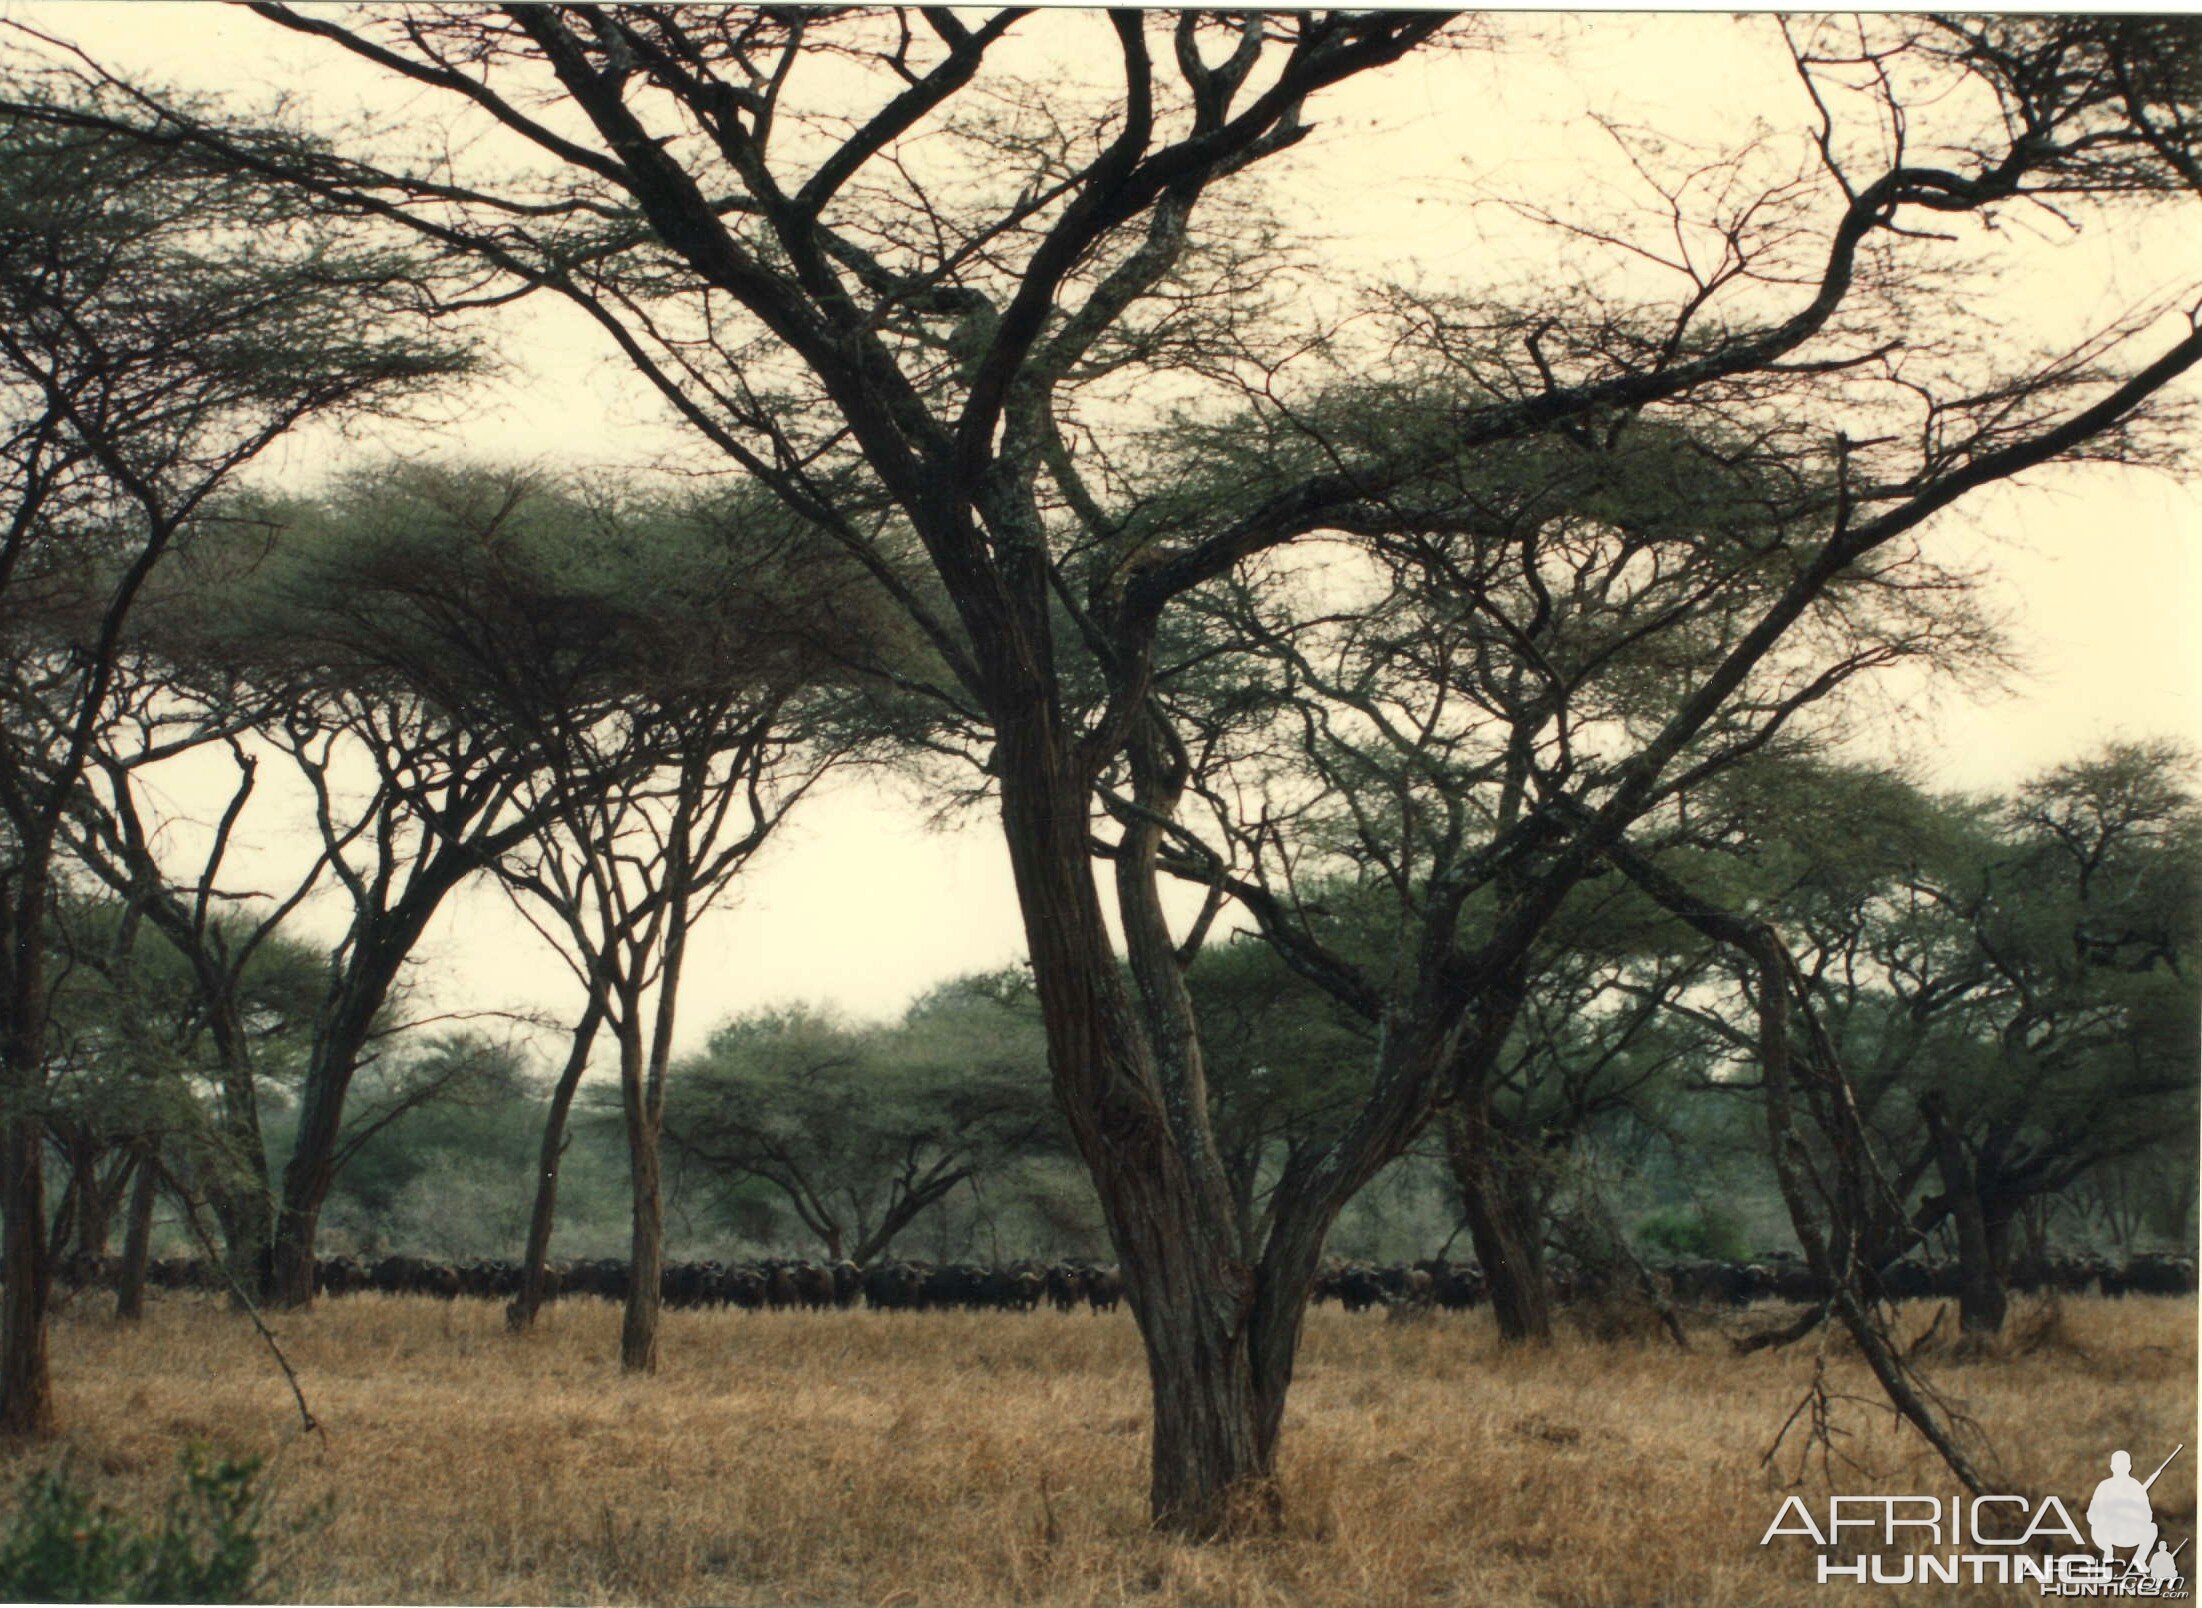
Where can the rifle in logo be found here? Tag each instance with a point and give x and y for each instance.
(2118, 1515)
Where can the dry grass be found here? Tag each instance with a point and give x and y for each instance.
(868, 1458)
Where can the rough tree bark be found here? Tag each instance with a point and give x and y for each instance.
(1133, 1095)
(1497, 1181)
(1981, 1301)
(340, 1039)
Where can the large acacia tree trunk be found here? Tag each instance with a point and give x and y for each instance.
(1498, 1195)
(1213, 1464)
(520, 1314)
(378, 951)
(1981, 1301)
(1163, 1193)
(307, 1178)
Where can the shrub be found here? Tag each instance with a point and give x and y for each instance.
(61, 1546)
(1712, 1232)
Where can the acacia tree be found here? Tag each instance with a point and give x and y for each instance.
(162, 320)
(1495, 663)
(632, 869)
(2001, 1031)
(1596, 1038)
(106, 1104)
(146, 1054)
(222, 936)
(862, 1130)
(709, 725)
(2009, 996)
(741, 202)
(377, 846)
(365, 644)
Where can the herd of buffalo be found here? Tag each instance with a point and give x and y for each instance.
(1778, 1276)
(780, 1284)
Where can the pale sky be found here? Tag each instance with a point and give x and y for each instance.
(2099, 572)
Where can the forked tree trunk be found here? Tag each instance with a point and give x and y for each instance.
(97, 1199)
(1498, 1197)
(1213, 1465)
(137, 1235)
(339, 1041)
(1981, 1301)
(341, 1036)
(1221, 1330)
(872, 1243)
(520, 1314)
(1192, 1293)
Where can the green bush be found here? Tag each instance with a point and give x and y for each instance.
(1712, 1232)
(60, 1546)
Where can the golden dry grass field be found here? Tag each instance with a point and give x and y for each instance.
(991, 1458)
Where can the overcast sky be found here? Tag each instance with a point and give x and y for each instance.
(861, 904)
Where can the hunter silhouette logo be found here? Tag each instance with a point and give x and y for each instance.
(1998, 1539)
(2119, 1515)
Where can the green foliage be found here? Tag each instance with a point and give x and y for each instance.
(438, 1150)
(1703, 1230)
(519, 602)
(1283, 1061)
(207, 1545)
(128, 1019)
(2022, 959)
(862, 1128)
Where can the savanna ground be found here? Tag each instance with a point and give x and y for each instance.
(990, 1458)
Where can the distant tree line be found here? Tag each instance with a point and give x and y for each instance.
(2005, 975)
